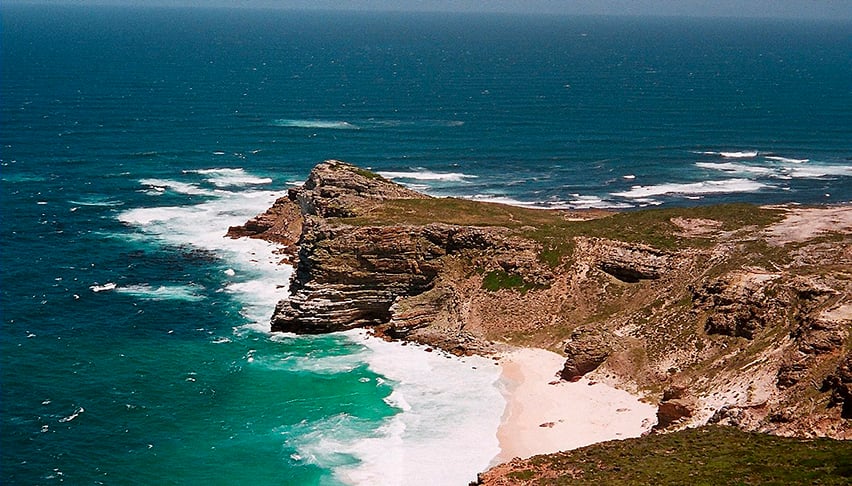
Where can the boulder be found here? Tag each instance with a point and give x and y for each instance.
(586, 350)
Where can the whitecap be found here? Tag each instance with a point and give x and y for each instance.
(73, 415)
(746, 154)
(578, 202)
(737, 168)
(427, 175)
(818, 171)
(786, 160)
(260, 282)
(162, 292)
(160, 185)
(322, 124)
(515, 202)
(450, 430)
(313, 363)
(642, 193)
(103, 288)
(231, 177)
(102, 201)
(595, 202)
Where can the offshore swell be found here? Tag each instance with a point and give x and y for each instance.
(129, 147)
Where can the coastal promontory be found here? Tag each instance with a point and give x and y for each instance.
(737, 314)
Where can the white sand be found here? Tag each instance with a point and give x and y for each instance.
(577, 414)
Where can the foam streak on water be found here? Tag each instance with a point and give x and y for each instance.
(446, 431)
(448, 408)
(255, 275)
(121, 177)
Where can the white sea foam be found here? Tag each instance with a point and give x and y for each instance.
(578, 202)
(737, 168)
(100, 201)
(74, 415)
(748, 154)
(595, 202)
(786, 160)
(818, 171)
(321, 124)
(427, 175)
(692, 189)
(741, 154)
(339, 363)
(450, 409)
(161, 185)
(103, 288)
(163, 292)
(515, 202)
(258, 281)
(231, 177)
(779, 169)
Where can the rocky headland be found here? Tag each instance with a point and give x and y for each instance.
(737, 314)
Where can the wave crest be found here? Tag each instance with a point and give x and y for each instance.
(322, 124)
(693, 188)
(427, 175)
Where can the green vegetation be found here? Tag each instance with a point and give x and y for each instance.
(498, 280)
(555, 230)
(368, 174)
(654, 227)
(711, 455)
(453, 211)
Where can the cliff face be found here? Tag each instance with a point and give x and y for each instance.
(718, 314)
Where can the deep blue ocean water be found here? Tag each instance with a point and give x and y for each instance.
(134, 343)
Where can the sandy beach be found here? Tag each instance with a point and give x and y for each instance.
(545, 415)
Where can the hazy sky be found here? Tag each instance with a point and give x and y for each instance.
(837, 9)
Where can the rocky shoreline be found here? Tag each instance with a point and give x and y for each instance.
(733, 315)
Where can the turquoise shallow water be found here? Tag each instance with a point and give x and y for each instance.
(134, 343)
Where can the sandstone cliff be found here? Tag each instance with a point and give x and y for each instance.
(734, 314)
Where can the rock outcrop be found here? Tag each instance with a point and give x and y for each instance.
(737, 326)
(336, 189)
(628, 262)
(840, 385)
(586, 349)
(281, 224)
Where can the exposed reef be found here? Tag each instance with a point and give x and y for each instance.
(730, 314)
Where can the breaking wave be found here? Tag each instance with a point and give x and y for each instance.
(450, 430)
(427, 175)
(321, 124)
(186, 293)
(159, 186)
(693, 189)
(225, 177)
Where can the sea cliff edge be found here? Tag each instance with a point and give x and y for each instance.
(736, 315)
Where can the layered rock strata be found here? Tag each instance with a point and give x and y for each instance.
(709, 312)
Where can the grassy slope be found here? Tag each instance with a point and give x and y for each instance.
(554, 229)
(709, 455)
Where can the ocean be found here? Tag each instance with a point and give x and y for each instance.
(135, 343)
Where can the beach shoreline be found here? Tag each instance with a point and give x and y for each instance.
(545, 414)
